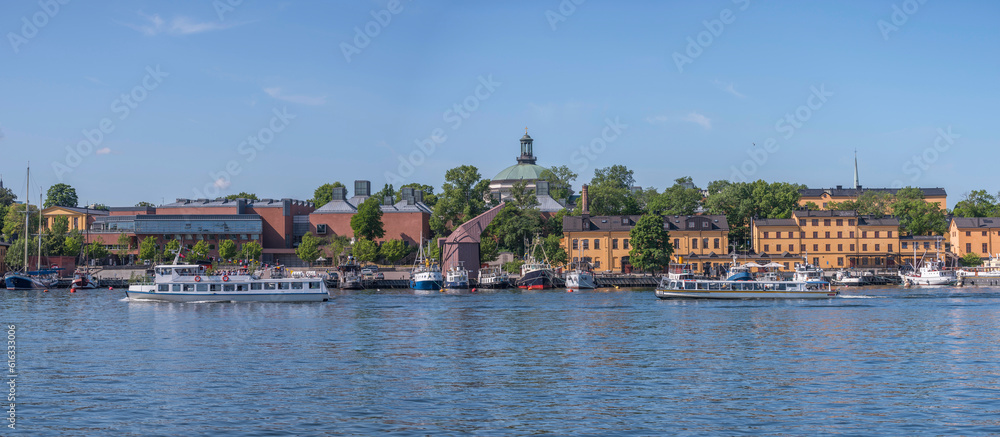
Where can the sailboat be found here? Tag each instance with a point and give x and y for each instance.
(426, 274)
(38, 278)
(83, 280)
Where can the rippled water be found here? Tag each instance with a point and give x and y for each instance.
(887, 361)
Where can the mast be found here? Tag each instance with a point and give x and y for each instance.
(38, 261)
(27, 211)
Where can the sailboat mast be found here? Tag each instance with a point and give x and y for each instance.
(38, 261)
(27, 210)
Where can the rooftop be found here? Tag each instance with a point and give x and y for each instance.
(839, 191)
(976, 222)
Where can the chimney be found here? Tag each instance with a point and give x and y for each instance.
(585, 199)
(840, 187)
(407, 194)
(339, 193)
(362, 188)
(418, 196)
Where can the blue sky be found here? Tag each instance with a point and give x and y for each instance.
(915, 95)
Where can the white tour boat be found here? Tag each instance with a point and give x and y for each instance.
(740, 285)
(190, 283)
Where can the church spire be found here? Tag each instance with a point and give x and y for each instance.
(857, 184)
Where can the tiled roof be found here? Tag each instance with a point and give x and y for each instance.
(884, 221)
(600, 223)
(682, 222)
(223, 202)
(976, 222)
(775, 222)
(90, 211)
(851, 192)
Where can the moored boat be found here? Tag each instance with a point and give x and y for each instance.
(193, 283)
(350, 275)
(457, 277)
(580, 279)
(536, 274)
(930, 273)
(493, 277)
(33, 280)
(740, 285)
(426, 274)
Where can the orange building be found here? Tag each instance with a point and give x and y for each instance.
(979, 235)
(823, 196)
(77, 218)
(830, 239)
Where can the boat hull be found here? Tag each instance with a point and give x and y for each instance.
(456, 284)
(712, 294)
(142, 293)
(426, 285)
(536, 280)
(940, 280)
(21, 282)
(495, 283)
(580, 281)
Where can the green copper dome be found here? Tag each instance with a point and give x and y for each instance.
(520, 171)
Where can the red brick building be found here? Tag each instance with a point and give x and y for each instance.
(405, 220)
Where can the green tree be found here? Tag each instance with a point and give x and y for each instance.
(15, 254)
(741, 202)
(916, 216)
(171, 248)
(488, 249)
(971, 259)
(7, 196)
(554, 224)
(13, 224)
(242, 195)
(251, 251)
(462, 198)
(365, 250)
(610, 192)
(124, 245)
(387, 191)
(338, 244)
(227, 249)
(97, 251)
(513, 267)
(144, 204)
(651, 248)
(429, 198)
(55, 237)
(61, 195)
(978, 203)
(324, 193)
(367, 222)
(560, 179)
(877, 204)
(811, 206)
(554, 250)
(99, 206)
(308, 249)
(198, 252)
(147, 249)
(683, 198)
(513, 227)
(73, 243)
(393, 250)
(523, 197)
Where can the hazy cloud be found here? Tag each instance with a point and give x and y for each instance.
(692, 117)
(729, 87)
(104, 151)
(222, 183)
(179, 25)
(276, 93)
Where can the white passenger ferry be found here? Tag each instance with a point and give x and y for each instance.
(740, 285)
(191, 283)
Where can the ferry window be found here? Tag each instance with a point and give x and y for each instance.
(176, 287)
(214, 287)
(228, 287)
(241, 287)
(296, 285)
(163, 287)
(255, 286)
(716, 243)
(586, 244)
(202, 287)
(625, 244)
(270, 286)
(576, 244)
(188, 287)
(282, 286)
(314, 285)
(597, 244)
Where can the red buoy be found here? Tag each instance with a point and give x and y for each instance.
(110, 288)
(71, 290)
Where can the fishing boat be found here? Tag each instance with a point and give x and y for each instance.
(194, 283)
(740, 285)
(493, 277)
(805, 272)
(426, 274)
(849, 278)
(83, 281)
(350, 275)
(582, 275)
(457, 277)
(536, 274)
(930, 273)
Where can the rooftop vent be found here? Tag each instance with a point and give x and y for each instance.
(339, 193)
(362, 188)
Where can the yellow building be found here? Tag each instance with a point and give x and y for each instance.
(830, 239)
(603, 241)
(823, 196)
(975, 235)
(78, 218)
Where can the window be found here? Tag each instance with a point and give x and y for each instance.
(765, 235)
(802, 222)
(864, 247)
(188, 287)
(827, 247)
(888, 234)
(624, 220)
(878, 247)
(202, 287)
(984, 233)
(321, 228)
(586, 244)
(816, 261)
(852, 248)
(314, 285)
(716, 243)
(802, 248)
(815, 222)
(270, 286)
(214, 287)
(840, 261)
(851, 234)
(777, 234)
(704, 243)
(767, 248)
(625, 244)
(815, 248)
(283, 286)
(597, 244)
(840, 222)
(296, 285)
(691, 225)
(802, 235)
(704, 224)
(840, 234)
(850, 222)
(876, 234)
(840, 248)
(902, 245)
(968, 247)
(176, 287)
(890, 248)
(968, 233)
(864, 234)
(694, 243)
(826, 222)
(677, 243)
(614, 243)
(815, 234)
(778, 248)
(985, 249)
(228, 287)
(827, 234)
(927, 245)
(163, 287)
(576, 244)
(76, 222)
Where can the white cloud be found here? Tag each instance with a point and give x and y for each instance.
(699, 119)
(657, 119)
(222, 183)
(729, 87)
(180, 25)
(276, 93)
(104, 151)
